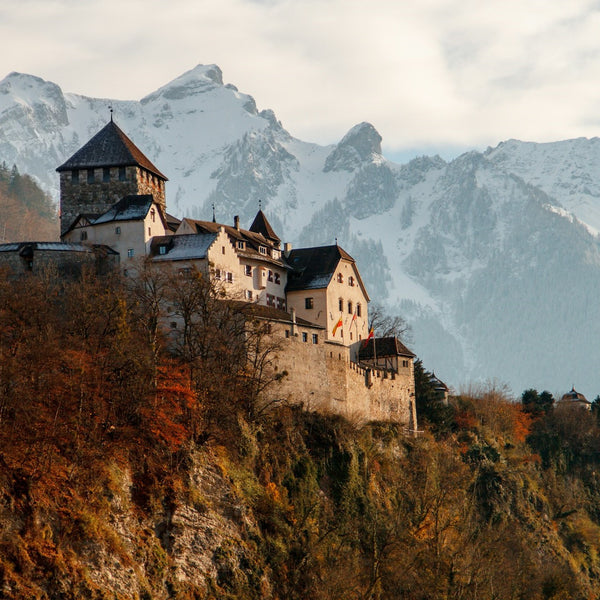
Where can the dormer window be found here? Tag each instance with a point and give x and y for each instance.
(262, 250)
(241, 245)
(162, 249)
(275, 254)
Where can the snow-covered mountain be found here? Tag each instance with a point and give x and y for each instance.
(492, 257)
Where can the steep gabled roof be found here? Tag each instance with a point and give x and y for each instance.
(313, 268)
(182, 247)
(386, 346)
(262, 225)
(252, 239)
(110, 147)
(129, 208)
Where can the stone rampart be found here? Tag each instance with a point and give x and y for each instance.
(322, 377)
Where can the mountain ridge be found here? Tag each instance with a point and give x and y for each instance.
(446, 243)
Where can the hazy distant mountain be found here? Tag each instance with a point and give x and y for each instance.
(484, 255)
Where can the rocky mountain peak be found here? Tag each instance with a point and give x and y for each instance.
(200, 79)
(356, 147)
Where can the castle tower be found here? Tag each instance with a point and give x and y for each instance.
(107, 168)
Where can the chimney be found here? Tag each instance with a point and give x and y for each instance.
(236, 222)
(293, 314)
(287, 248)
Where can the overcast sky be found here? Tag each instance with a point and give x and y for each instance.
(430, 75)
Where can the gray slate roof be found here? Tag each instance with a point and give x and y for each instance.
(182, 247)
(129, 208)
(313, 268)
(110, 147)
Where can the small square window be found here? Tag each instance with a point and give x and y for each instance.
(173, 324)
(308, 303)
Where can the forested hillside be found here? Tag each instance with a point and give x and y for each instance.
(26, 211)
(133, 472)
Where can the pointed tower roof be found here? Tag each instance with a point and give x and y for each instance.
(262, 225)
(110, 147)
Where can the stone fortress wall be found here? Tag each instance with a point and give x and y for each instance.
(322, 377)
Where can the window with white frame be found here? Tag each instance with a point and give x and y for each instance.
(229, 277)
(262, 250)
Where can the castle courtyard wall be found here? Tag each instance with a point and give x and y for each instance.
(322, 378)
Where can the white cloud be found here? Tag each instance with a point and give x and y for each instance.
(424, 72)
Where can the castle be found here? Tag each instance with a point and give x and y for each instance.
(113, 211)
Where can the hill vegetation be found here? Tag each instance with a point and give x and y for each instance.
(26, 211)
(135, 465)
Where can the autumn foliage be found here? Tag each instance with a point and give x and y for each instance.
(128, 447)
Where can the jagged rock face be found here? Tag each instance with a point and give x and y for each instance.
(476, 253)
(357, 147)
